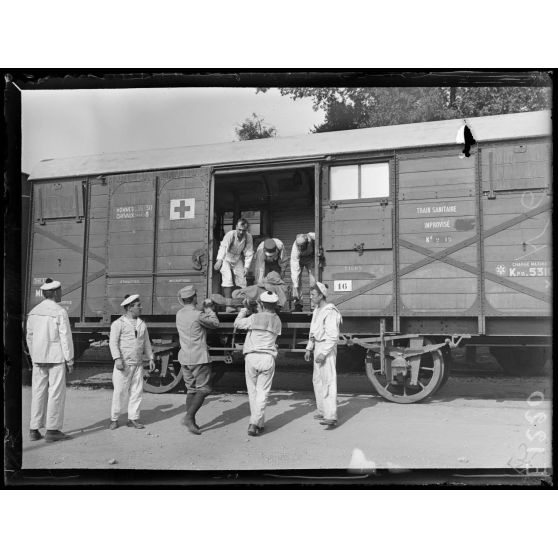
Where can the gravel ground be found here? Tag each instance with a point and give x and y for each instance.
(470, 423)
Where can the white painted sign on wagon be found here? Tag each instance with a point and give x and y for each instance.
(182, 209)
(343, 286)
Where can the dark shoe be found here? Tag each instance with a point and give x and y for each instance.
(113, 425)
(260, 429)
(329, 423)
(253, 430)
(135, 424)
(35, 435)
(55, 436)
(190, 402)
(318, 416)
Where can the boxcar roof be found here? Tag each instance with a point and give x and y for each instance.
(441, 132)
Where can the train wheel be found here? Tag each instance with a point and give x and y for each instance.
(448, 365)
(81, 344)
(351, 359)
(161, 381)
(521, 361)
(432, 372)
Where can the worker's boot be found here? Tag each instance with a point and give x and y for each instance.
(193, 404)
(187, 417)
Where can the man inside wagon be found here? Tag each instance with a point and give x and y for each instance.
(302, 256)
(270, 256)
(235, 255)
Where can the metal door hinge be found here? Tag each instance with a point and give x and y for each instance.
(359, 248)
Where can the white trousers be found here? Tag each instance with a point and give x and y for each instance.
(227, 270)
(48, 396)
(128, 389)
(259, 369)
(308, 264)
(325, 386)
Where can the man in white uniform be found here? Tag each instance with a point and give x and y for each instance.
(302, 256)
(129, 344)
(49, 339)
(260, 352)
(235, 255)
(324, 334)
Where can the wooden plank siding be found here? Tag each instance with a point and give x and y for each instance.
(96, 265)
(437, 210)
(179, 239)
(519, 176)
(346, 226)
(58, 255)
(149, 250)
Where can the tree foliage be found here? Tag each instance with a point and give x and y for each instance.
(254, 128)
(363, 107)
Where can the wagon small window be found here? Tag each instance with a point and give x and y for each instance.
(59, 200)
(350, 182)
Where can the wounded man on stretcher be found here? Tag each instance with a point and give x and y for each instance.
(248, 296)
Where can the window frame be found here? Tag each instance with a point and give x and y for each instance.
(359, 164)
(77, 191)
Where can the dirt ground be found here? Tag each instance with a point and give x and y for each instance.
(477, 421)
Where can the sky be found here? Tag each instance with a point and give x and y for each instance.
(66, 123)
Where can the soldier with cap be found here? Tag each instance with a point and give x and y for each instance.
(129, 344)
(260, 352)
(49, 340)
(235, 255)
(192, 325)
(270, 256)
(323, 337)
(302, 256)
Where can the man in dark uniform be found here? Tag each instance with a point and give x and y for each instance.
(192, 325)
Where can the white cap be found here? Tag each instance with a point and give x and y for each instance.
(129, 299)
(322, 288)
(268, 296)
(50, 285)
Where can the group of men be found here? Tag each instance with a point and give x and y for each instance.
(51, 349)
(50, 343)
(234, 259)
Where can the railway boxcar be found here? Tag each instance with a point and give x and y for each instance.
(421, 246)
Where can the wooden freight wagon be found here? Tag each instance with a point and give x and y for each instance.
(421, 247)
